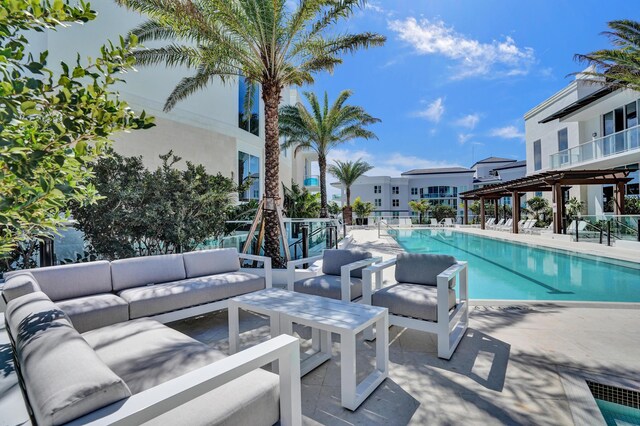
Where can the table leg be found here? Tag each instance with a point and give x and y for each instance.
(234, 327)
(325, 343)
(382, 345)
(348, 370)
(274, 330)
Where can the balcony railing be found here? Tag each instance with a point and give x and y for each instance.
(616, 143)
(312, 180)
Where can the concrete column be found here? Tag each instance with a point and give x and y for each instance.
(482, 218)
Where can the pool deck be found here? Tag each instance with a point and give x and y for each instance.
(507, 370)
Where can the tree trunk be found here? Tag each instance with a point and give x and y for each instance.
(322, 163)
(347, 213)
(271, 96)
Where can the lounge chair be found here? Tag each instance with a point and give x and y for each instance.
(497, 225)
(506, 226)
(489, 223)
(434, 223)
(341, 276)
(447, 222)
(423, 297)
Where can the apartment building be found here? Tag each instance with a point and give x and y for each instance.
(208, 128)
(391, 195)
(586, 126)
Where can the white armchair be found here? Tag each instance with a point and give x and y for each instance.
(423, 297)
(341, 274)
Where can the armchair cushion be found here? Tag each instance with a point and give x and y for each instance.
(211, 262)
(334, 259)
(63, 376)
(327, 286)
(411, 300)
(421, 268)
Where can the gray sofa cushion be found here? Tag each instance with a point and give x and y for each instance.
(146, 353)
(167, 297)
(211, 262)
(19, 285)
(420, 268)
(333, 260)
(69, 281)
(411, 300)
(327, 286)
(100, 310)
(63, 376)
(138, 271)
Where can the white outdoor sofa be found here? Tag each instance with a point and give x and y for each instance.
(341, 277)
(423, 297)
(167, 287)
(142, 372)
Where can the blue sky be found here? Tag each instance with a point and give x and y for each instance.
(455, 77)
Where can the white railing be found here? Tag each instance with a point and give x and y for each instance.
(616, 143)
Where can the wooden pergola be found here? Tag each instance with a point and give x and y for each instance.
(555, 182)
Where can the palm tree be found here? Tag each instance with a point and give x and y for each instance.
(324, 128)
(619, 67)
(347, 172)
(420, 206)
(268, 42)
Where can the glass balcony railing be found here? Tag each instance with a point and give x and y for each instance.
(312, 181)
(616, 143)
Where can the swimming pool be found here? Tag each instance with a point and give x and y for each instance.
(501, 269)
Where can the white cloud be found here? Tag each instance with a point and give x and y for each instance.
(374, 6)
(433, 112)
(464, 137)
(507, 132)
(473, 58)
(468, 121)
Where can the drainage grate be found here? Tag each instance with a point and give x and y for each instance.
(627, 397)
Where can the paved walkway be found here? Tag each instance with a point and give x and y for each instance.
(507, 369)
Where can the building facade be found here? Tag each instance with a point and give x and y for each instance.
(586, 127)
(209, 128)
(441, 186)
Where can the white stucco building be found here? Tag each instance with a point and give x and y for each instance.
(391, 195)
(585, 126)
(208, 128)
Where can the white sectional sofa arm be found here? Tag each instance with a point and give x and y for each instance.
(153, 402)
(456, 272)
(291, 268)
(345, 275)
(268, 272)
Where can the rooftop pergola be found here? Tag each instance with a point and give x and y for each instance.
(551, 181)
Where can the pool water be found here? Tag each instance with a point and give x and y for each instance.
(500, 269)
(618, 415)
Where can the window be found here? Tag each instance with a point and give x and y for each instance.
(377, 189)
(395, 190)
(249, 170)
(251, 123)
(537, 155)
(414, 191)
(395, 214)
(377, 202)
(563, 139)
(395, 202)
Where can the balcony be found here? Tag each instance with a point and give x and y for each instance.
(616, 143)
(312, 180)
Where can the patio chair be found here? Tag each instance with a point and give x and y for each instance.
(434, 223)
(489, 222)
(341, 276)
(506, 226)
(497, 225)
(423, 297)
(447, 222)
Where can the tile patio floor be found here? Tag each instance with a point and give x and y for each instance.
(505, 371)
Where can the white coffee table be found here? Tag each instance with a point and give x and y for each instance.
(324, 316)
